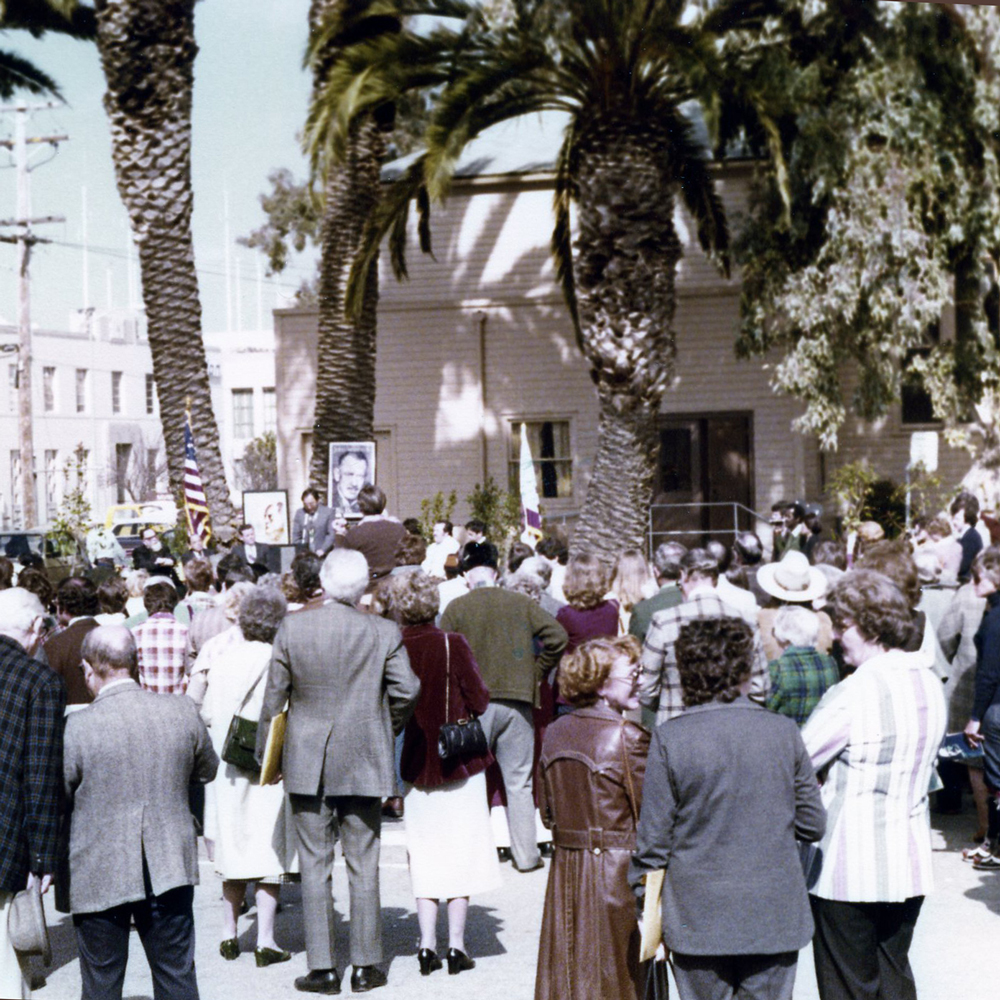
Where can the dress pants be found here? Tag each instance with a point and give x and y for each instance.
(861, 949)
(317, 820)
(12, 982)
(166, 929)
(735, 977)
(510, 732)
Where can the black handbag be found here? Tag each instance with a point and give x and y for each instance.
(657, 984)
(465, 737)
(240, 745)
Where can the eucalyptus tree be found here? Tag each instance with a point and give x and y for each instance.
(147, 50)
(624, 70)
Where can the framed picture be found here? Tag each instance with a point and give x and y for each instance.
(266, 511)
(352, 465)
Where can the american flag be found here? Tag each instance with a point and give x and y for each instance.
(194, 492)
(529, 493)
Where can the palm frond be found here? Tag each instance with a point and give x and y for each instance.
(17, 73)
(562, 244)
(65, 17)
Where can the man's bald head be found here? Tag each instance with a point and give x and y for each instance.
(110, 651)
(21, 615)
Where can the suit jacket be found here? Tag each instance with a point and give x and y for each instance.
(129, 759)
(32, 702)
(728, 789)
(346, 679)
(324, 535)
(63, 653)
(268, 555)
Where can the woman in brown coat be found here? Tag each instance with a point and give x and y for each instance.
(593, 763)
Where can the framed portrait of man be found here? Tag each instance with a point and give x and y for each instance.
(266, 511)
(352, 465)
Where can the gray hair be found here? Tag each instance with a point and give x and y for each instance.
(667, 560)
(796, 626)
(261, 613)
(344, 576)
(18, 609)
(525, 583)
(537, 566)
(110, 649)
(233, 598)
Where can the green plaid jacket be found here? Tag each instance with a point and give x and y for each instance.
(799, 678)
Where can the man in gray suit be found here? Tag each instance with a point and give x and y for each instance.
(346, 679)
(312, 526)
(129, 758)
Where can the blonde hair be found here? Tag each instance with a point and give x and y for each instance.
(632, 577)
(586, 582)
(585, 671)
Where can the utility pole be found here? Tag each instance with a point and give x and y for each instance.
(25, 240)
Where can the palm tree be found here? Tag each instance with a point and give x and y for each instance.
(623, 70)
(147, 51)
(345, 363)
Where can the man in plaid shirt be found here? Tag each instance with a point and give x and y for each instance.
(801, 675)
(160, 641)
(31, 761)
(660, 683)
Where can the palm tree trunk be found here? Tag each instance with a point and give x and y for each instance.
(626, 255)
(147, 50)
(345, 366)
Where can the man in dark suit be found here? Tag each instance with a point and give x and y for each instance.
(77, 603)
(133, 853)
(154, 557)
(312, 526)
(346, 679)
(31, 743)
(253, 553)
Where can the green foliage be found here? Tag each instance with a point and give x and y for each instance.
(895, 198)
(74, 515)
(498, 509)
(850, 486)
(259, 468)
(437, 508)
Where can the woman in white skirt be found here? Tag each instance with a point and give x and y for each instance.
(448, 831)
(252, 829)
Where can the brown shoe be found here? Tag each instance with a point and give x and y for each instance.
(393, 808)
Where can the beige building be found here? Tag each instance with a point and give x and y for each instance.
(479, 340)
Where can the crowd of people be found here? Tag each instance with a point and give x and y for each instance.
(763, 728)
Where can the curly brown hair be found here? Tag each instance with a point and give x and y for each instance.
(714, 657)
(411, 551)
(894, 560)
(416, 598)
(873, 603)
(584, 672)
(586, 582)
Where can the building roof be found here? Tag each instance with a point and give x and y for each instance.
(528, 144)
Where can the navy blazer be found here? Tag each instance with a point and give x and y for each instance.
(32, 704)
(728, 789)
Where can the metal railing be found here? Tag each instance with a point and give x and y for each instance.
(654, 537)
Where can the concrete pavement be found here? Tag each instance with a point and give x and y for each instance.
(952, 949)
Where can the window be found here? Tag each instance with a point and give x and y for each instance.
(550, 453)
(123, 456)
(243, 413)
(13, 382)
(51, 483)
(116, 393)
(81, 390)
(270, 411)
(916, 401)
(49, 389)
(150, 394)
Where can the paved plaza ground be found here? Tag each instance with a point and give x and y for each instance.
(952, 951)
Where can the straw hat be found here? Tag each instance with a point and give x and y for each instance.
(792, 579)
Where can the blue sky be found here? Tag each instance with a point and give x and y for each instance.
(250, 99)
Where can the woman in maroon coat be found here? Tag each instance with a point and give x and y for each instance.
(593, 764)
(448, 832)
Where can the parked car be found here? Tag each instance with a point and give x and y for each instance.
(57, 562)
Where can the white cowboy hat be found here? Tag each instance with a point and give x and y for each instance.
(792, 579)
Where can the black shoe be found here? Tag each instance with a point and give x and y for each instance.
(367, 977)
(229, 949)
(503, 854)
(991, 863)
(458, 962)
(547, 850)
(530, 868)
(429, 962)
(319, 981)
(271, 956)
(392, 808)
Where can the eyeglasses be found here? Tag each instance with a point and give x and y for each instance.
(630, 678)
